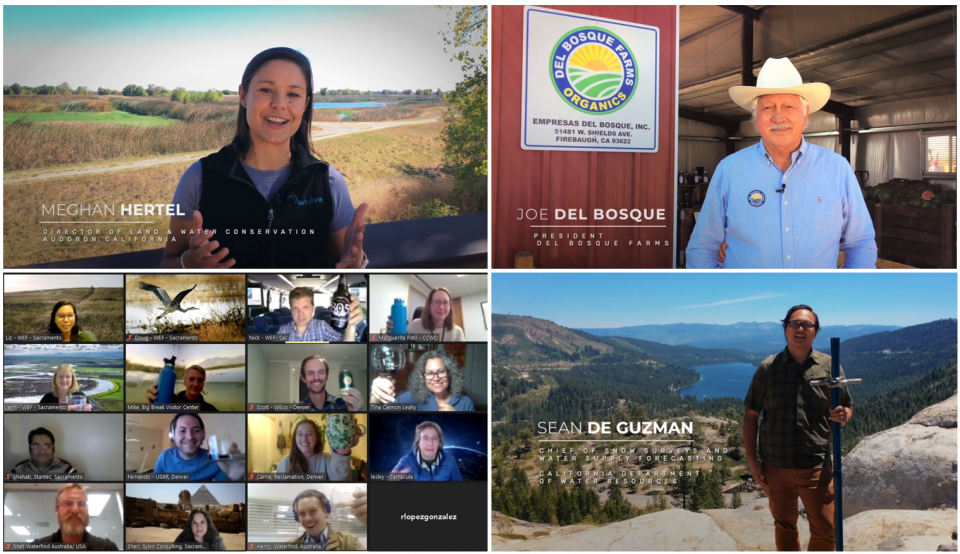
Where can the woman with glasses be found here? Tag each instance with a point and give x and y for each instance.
(65, 321)
(437, 319)
(434, 385)
(66, 390)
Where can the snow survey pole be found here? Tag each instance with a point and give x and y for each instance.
(835, 382)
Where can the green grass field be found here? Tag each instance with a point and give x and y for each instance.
(392, 169)
(115, 117)
(100, 313)
(111, 401)
(115, 394)
(97, 370)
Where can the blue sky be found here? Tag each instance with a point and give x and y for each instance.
(597, 300)
(19, 283)
(225, 493)
(202, 47)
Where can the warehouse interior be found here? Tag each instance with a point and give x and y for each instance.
(892, 114)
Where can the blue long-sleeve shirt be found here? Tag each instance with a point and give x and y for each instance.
(200, 468)
(445, 468)
(820, 213)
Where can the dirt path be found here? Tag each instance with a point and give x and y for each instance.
(321, 131)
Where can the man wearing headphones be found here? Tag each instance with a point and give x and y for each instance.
(427, 462)
(187, 433)
(311, 508)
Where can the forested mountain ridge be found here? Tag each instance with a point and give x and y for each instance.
(754, 337)
(523, 340)
(927, 337)
(889, 360)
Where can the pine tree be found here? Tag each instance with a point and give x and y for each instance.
(736, 502)
(684, 482)
(614, 504)
(714, 491)
(699, 493)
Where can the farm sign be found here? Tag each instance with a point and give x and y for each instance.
(589, 83)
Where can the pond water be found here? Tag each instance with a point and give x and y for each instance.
(101, 386)
(335, 105)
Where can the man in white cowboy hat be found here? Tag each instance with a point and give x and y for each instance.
(782, 203)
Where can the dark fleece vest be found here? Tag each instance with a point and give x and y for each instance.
(292, 230)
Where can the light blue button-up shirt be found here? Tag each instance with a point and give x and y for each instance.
(819, 213)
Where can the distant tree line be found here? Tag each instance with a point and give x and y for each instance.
(177, 95)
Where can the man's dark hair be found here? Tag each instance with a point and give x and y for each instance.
(41, 431)
(816, 318)
(303, 364)
(173, 422)
(241, 140)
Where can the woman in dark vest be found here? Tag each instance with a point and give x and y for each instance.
(264, 200)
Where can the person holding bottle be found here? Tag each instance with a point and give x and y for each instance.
(437, 319)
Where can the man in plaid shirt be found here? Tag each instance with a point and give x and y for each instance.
(304, 328)
(795, 433)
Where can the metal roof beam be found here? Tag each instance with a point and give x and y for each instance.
(838, 109)
(816, 60)
(924, 92)
(873, 77)
(808, 57)
(710, 29)
(929, 66)
(729, 125)
(744, 10)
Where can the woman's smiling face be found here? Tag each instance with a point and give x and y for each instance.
(65, 319)
(275, 102)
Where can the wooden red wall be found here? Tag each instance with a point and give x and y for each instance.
(587, 180)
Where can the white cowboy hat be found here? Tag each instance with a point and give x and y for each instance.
(778, 76)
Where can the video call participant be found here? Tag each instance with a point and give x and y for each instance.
(795, 433)
(304, 328)
(436, 320)
(199, 528)
(64, 385)
(42, 460)
(267, 179)
(783, 203)
(434, 385)
(73, 515)
(193, 381)
(185, 456)
(314, 372)
(307, 455)
(65, 321)
(311, 508)
(427, 461)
